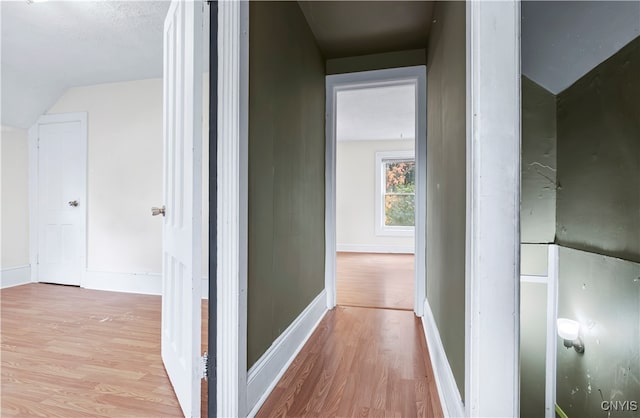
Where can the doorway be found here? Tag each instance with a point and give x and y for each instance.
(375, 196)
(58, 192)
(376, 184)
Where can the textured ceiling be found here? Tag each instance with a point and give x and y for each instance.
(349, 28)
(564, 40)
(379, 113)
(52, 46)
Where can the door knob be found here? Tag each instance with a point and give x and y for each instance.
(73, 203)
(157, 211)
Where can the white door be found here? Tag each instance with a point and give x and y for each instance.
(61, 194)
(181, 249)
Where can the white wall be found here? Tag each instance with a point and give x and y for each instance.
(125, 173)
(355, 190)
(15, 198)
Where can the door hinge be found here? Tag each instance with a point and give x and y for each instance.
(204, 366)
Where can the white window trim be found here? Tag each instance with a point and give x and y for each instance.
(381, 228)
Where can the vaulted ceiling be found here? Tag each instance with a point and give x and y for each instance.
(564, 40)
(52, 46)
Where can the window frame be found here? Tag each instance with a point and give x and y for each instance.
(381, 229)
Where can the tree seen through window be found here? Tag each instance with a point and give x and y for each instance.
(400, 192)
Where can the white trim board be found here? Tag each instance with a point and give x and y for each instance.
(232, 130)
(551, 282)
(417, 76)
(142, 283)
(552, 334)
(450, 399)
(382, 249)
(15, 276)
(269, 369)
(492, 256)
(533, 279)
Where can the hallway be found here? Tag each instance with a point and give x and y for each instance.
(372, 280)
(359, 362)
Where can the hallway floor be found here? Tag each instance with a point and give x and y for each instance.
(359, 362)
(375, 280)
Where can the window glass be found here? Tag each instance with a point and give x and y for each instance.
(400, 190)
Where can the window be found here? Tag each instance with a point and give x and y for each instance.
(395, 193)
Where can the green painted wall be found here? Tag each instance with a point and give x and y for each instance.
(598, 206)
(538, 196)
(286, 171)
(603, 294)
(377, 61)
(534, 259)
(446, 179)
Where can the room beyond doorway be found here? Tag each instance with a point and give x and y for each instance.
(372, 280)
(376, 156)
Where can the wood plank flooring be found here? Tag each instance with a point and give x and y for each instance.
(70, 352)
(359, 362)
(375, 280)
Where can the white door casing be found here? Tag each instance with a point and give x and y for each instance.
(182, 185)
(58, 198)
(415, 75)
(492, 265)
(233, 198)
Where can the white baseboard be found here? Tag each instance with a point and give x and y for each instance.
(450, 398)
(15, 276)
(144, 283)
(268, 370)
(392, 249)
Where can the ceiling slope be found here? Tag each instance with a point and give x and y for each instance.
(564, 40)
(52, 46)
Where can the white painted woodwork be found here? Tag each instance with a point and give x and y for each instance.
(232, 130)
(61, 178)
(366, 80)
(267, 371)
(492, 340)
(553, 264)
(182, 177)
(15, 276)
(550, 279)
(448, 393)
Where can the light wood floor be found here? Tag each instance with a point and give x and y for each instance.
(375, 280)
(70, 352)
(359, 362)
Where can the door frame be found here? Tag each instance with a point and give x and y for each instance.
(492, 224)
(492, 256)
(34, 157)
(416, 75)
(232, 208)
